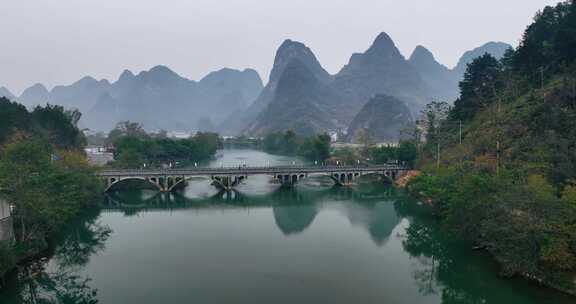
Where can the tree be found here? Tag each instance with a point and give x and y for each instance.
(479, 87)
(45, 193)
(364, 138)
(126, 128)
(569, 194)
(315, 148)
(346, 155)
(290, 144)
(58, 126)
(434, 115)
(548, 42)
(13, 116)
(407, 152)
(322, 146)
(24, 168)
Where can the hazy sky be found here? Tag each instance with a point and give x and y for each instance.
(60, 41)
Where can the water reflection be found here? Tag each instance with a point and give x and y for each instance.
(57, 277)
(407, 258)
(449, 267)
(294, 210)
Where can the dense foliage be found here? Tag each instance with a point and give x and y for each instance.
(508, 180)
(405, 153)
(44, 174)
(45, 193)
(52, 123)
(315, 148)
(134, 147)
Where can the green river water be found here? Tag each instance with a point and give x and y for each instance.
(263, 244)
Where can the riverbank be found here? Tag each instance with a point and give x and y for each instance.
(45, 194)
(496, 222)
(263, 235)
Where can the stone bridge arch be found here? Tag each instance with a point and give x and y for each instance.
(172, 182)
(113, 181)
(228, 182)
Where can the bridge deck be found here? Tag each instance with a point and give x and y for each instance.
(248, 170)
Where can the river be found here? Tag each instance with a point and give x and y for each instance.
(261, 244)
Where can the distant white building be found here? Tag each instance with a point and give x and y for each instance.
(4, 209)
(180, 134)
(99, 156)
(333, 136)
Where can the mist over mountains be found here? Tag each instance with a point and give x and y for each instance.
(300, 94)
(332, 102)
(158, 98)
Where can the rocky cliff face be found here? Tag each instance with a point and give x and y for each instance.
(443, 82)
(34, 95)
(381, 70)
(333, 101)
(82, 95)
(301, 102)
(4, 92)
(383, 117)
(496, 49)
(236, 101)
(289, 50)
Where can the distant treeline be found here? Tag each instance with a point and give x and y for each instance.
(243, 142)
(134, 148)
(315, 148)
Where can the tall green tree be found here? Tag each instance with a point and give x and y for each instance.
(45, 193)
(59, 126)
(479, 88)
(13, 117)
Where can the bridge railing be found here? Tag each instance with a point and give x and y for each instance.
(242, 169)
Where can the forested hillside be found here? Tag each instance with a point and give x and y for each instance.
(500, 165)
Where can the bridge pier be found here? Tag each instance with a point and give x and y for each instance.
(227, 182)
(345, 178)
(290, 179)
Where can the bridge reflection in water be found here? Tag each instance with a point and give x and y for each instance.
(370, 206)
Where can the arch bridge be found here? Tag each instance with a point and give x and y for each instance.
(227, 178)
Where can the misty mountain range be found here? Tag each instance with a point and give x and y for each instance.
(158, 98)
(300, 94)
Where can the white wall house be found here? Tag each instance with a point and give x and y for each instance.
(6, 230)
(4, 209)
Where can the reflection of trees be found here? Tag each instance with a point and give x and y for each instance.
(450, 266)
(80, 240)
(37, 286)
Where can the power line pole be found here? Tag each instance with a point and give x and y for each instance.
(460, 131)
(542, 77)
(438, 154)
(497, 158)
